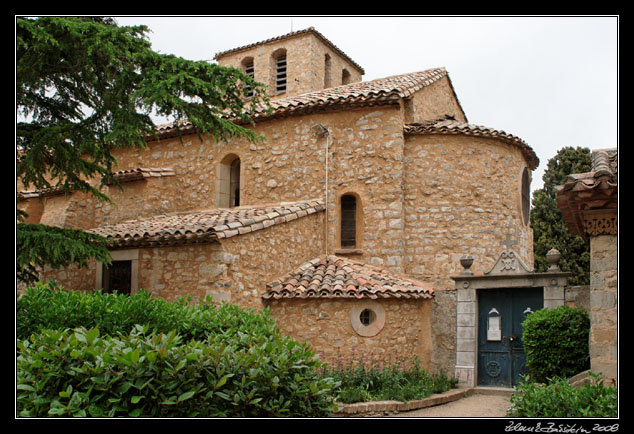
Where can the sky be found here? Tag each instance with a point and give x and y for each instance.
(549, 80)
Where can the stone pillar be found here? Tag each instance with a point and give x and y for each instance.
(604, 306)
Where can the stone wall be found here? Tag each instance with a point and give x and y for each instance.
(305, 61)
(462, 196)
(328, 326)
(604, 305)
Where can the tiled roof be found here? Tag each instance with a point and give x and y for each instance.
(143, 173)
(360, 93)
(366, 93)
(204, 226)
(138, 174)
(335, 277)
(291, 35)
(449, 125)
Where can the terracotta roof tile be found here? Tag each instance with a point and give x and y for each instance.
(143, 173)
(138, 174)
(205, 225)
(365, 93)
(448, 125)
(335, 277)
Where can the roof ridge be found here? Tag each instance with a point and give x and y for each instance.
(449, 125)
(198, 226)
(337, 277)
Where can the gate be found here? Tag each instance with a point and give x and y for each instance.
(501, 311)
(489, 314)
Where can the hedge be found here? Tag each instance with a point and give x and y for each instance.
(179, 361)
(556, 342)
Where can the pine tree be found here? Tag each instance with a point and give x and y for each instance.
(86, 87)
(549, 229)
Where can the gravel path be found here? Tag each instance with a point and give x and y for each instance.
(476, 405)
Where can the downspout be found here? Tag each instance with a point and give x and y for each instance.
(321, 131)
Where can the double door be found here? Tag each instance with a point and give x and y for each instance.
(501, 356)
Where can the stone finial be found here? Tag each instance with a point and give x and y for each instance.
(466, 261)
(553, 257)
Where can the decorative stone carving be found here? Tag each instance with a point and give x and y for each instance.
(601, 222)
(508, 262)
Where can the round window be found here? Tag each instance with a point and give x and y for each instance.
(367, 318)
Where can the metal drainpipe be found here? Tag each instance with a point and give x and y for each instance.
(321, 131)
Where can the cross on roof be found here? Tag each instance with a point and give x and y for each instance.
(508, 243)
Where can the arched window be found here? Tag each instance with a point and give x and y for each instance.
(345, 77)
(348, 221)
(229, 182)
(327, 71)
(526, 195)
(234, 183)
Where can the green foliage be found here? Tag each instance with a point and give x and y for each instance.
(45, 306)
(361, 383)
(560, 399)
(549, 229)
(82, 373)
(86, 87)
(556, 342)
(176, 361)
(39, 245)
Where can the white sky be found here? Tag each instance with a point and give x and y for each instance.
(550, 80)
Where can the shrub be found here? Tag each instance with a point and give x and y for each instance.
(50, 307)
(146, 357)
(362, 383)
(560, 399)
(556, 342)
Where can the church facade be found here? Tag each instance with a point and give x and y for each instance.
(347, 221)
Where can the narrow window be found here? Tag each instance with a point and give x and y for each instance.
(327, 71)
(348, 222)
(234, 183)
(118, 277)
(228, 182)
(345, 77)
(249, 70)
(526, 195)
(280, 74)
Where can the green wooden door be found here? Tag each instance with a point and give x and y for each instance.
(501, 357)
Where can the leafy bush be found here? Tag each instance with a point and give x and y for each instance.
(560, 399)
(176, 361)
(362, 383)
(556, 342)
(46, 306)
(80, 373)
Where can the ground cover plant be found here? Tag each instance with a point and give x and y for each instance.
(164, 360)
(558, 398)
(362, 383)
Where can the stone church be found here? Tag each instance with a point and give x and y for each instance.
(349, 221)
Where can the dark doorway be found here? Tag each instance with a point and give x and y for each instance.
(501, 356)
(118, 277)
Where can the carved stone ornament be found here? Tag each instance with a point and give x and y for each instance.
(508, 262)
(600, 222)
